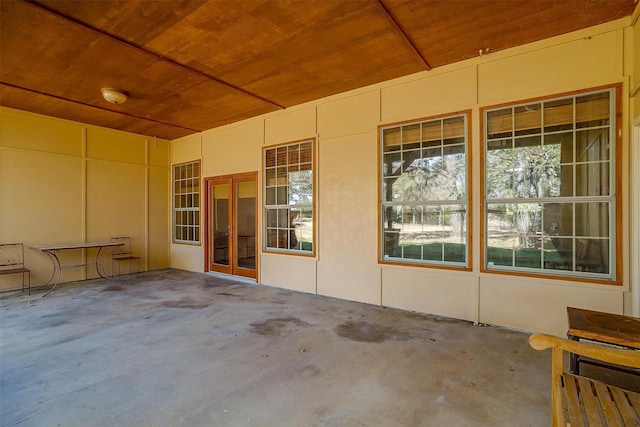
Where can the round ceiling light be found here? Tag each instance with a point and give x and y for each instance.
(113, 96)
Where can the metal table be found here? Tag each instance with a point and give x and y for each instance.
(53, 250)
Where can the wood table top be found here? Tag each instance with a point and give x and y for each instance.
(604, 327)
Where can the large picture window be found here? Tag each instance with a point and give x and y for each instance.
(424, 192)
(186, 203)
(549, 186)
(288, 198)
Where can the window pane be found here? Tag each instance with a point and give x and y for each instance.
(558, 115)
(499, 123)
(431, 133)
(272, 218)
(592, 145)
(270, 197)
(391, 139)
(592, 219)
(592, 179)
(270, 158)
(294, 154)
(592, 255)
(411, 136)
(528, 119)
(592, 110)
(392, 164)
(558, 219)
(306, 152)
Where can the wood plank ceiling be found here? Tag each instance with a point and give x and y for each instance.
(192, 65)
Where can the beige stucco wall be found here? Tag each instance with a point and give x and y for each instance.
(66, 182)
(345, 127)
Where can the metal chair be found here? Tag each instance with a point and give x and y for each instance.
(12, 262)
(122, 254)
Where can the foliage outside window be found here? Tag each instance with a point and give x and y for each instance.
(424, 195)
(549, 176)
(186, 203)
(288, 196)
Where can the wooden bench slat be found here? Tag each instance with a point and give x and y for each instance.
(590, 402)
(572, 400)
(609, 408)
(634, 398)
(628, 414)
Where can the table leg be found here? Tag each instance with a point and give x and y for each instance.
(55, 261)
(97, 264)
(574, 359)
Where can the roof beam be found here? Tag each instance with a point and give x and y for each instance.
(398, 29)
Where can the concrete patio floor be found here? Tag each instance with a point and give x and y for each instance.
(174, 348)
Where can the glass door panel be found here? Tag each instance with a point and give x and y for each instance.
(245, 217)
(220, 226)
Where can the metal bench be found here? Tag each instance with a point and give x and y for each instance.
(12, 262)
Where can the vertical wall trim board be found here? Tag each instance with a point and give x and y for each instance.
(84, 199)
(477, 301)
(147, 196)
(635, 219)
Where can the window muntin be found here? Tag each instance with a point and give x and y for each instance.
(424, 192)
(186, 203)
(288, 195)
(549, 177)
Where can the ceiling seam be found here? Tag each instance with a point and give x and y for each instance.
(154, 54)
(98, 107)
(396, 25)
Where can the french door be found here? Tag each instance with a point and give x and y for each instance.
(232, 224)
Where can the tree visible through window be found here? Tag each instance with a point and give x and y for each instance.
(288, 180)
(549, 186)
(424, 192)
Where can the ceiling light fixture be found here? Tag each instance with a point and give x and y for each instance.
(113, 96)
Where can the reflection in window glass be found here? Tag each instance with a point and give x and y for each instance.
(424, 192)
(548, 186)
(288, 187)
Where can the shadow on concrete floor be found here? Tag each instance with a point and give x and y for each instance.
(175, 348)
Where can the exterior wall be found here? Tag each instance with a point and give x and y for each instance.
(345, 127)
(66, 182)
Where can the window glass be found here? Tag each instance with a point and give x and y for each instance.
(424, 192)
(549, 206)
(288, 196)
(186, 203)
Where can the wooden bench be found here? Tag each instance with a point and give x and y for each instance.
(581, 401)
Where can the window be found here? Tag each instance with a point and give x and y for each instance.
(186, 203)
(549, 187)
(424, 192)
(288, 195)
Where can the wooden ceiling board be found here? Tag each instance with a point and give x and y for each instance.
(87, 61)
(135, 21)
(64, 109)
(496, 24)
(192, 65)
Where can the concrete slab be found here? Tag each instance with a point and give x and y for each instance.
(175, 348)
